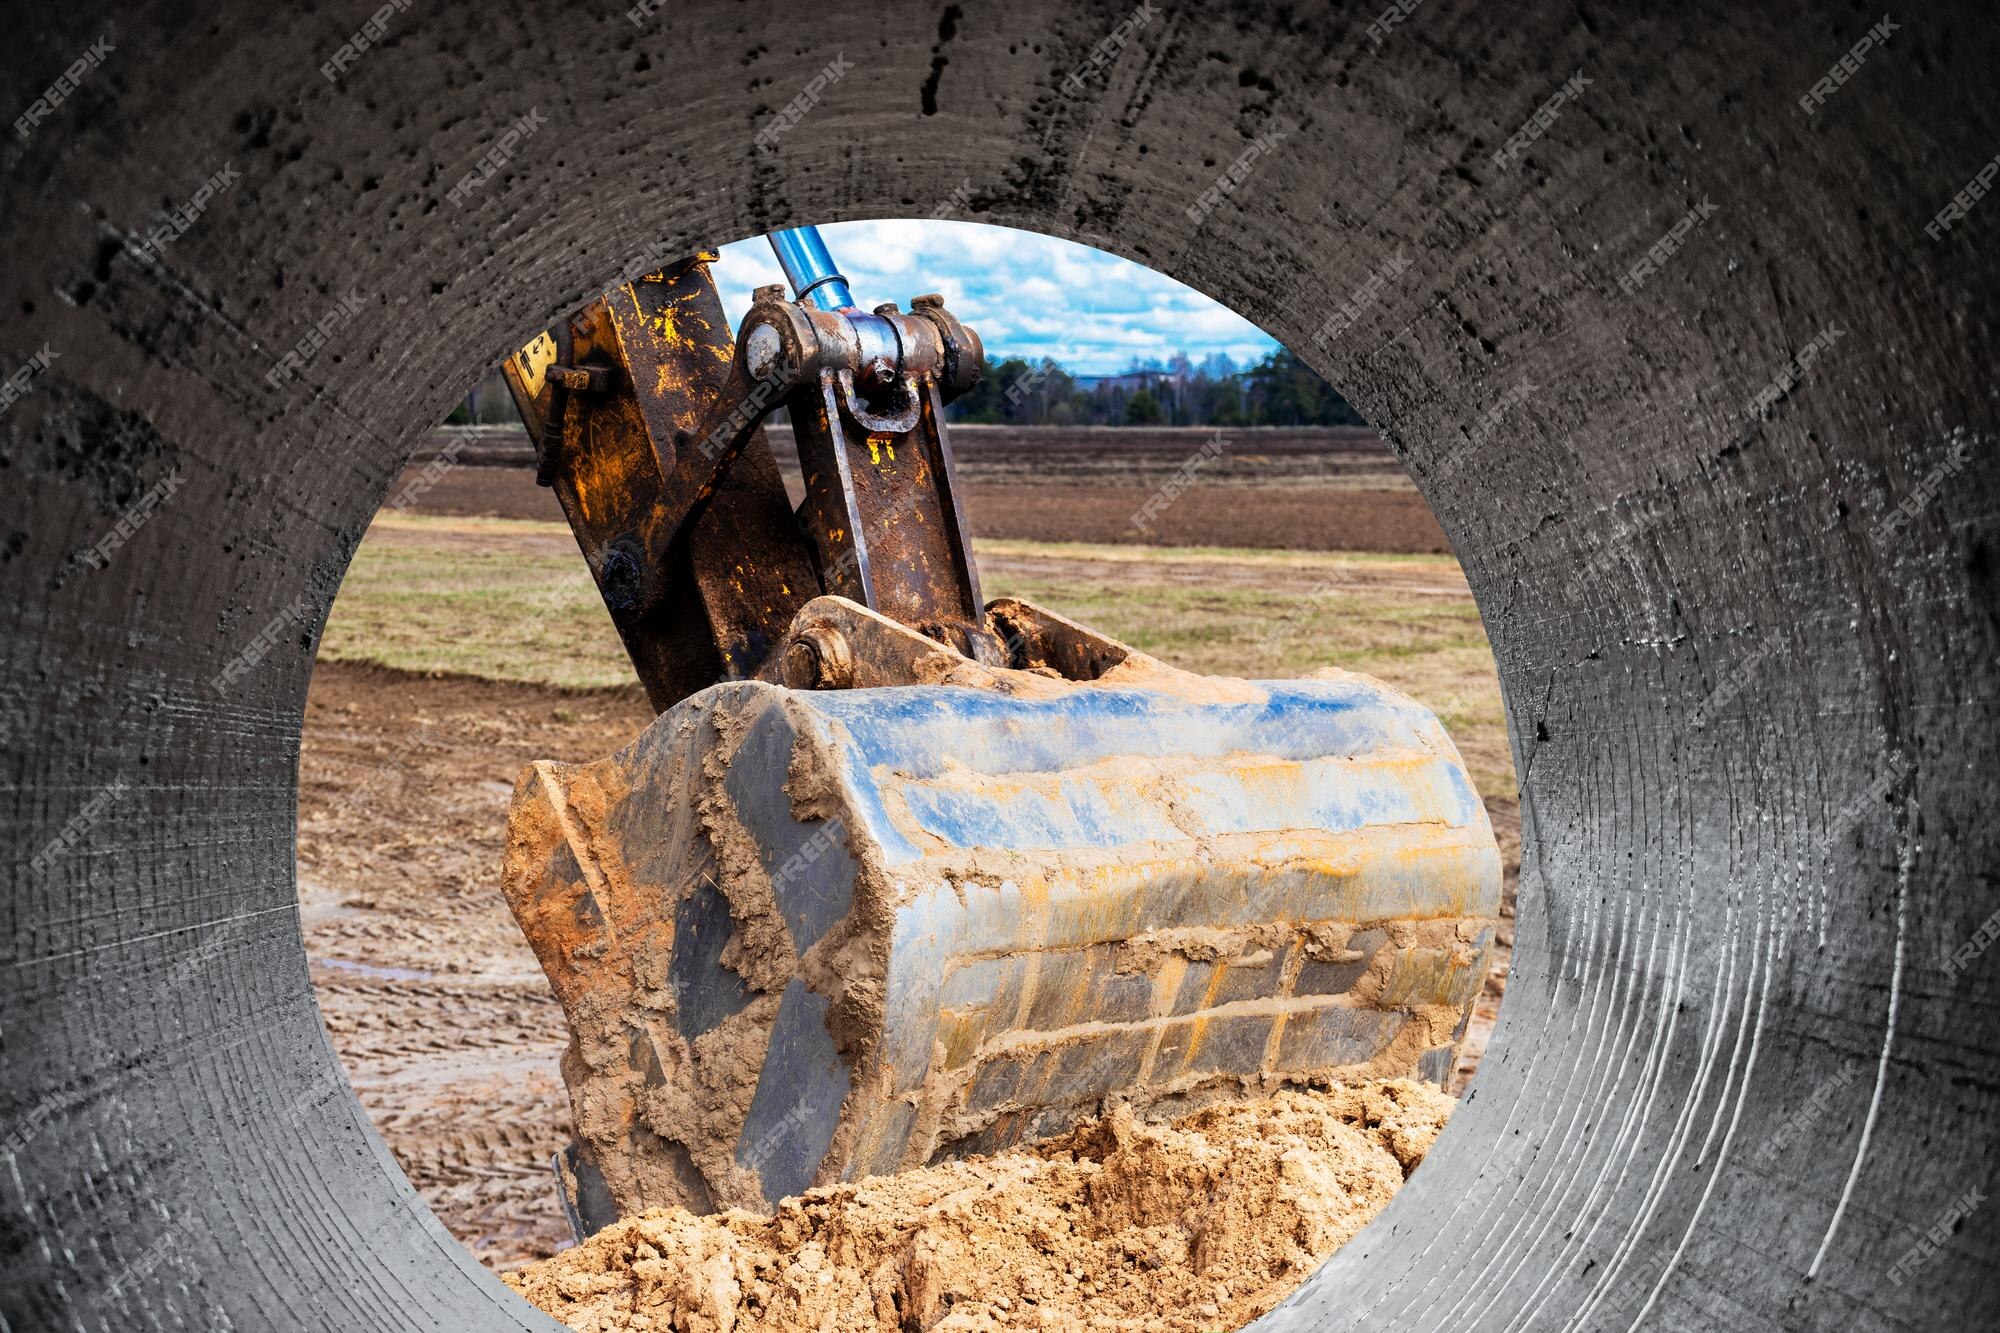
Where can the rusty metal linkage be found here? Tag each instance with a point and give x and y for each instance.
(614, 397)
(648, 419)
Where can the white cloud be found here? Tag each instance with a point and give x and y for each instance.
(1028, 295)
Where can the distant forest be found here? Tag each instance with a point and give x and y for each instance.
(1278, 390)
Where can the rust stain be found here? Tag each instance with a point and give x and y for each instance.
(1197, 1031)
(959, 1031)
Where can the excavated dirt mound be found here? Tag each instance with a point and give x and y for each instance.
(1202, 1224)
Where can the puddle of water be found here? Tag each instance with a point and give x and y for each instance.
(376, 970)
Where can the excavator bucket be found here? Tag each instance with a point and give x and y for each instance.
(899, 872)
(806, 936)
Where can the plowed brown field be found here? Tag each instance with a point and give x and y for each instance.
(1305, 490)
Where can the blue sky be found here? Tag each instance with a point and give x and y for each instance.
(1026, 294)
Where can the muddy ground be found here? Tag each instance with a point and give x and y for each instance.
(440, 1012)
(1306, 490)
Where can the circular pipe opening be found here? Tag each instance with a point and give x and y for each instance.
(469, 640)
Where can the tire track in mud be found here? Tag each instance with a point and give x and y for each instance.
(439, 1012)
(462, 1084)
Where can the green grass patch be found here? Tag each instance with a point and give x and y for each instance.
(502, 615)
(1234, 555)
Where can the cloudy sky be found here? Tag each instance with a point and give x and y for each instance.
(1026, 294)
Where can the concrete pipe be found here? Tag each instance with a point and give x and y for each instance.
(1683, 319)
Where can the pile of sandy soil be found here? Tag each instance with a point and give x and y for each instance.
(1202, 1224)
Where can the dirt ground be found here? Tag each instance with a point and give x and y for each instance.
(1305, 490)
(439, 1010)
(1115, 1227)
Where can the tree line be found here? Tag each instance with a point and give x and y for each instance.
(1277, 390)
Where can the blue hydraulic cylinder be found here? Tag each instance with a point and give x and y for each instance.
(809, 268)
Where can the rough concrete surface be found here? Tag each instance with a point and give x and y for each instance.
(1744, 608)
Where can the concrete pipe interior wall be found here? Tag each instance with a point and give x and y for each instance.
(1748, 1057)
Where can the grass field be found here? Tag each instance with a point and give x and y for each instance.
(510, 600)
(501, 599)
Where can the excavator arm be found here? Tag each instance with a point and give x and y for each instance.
(900, 873)
(648, 421)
